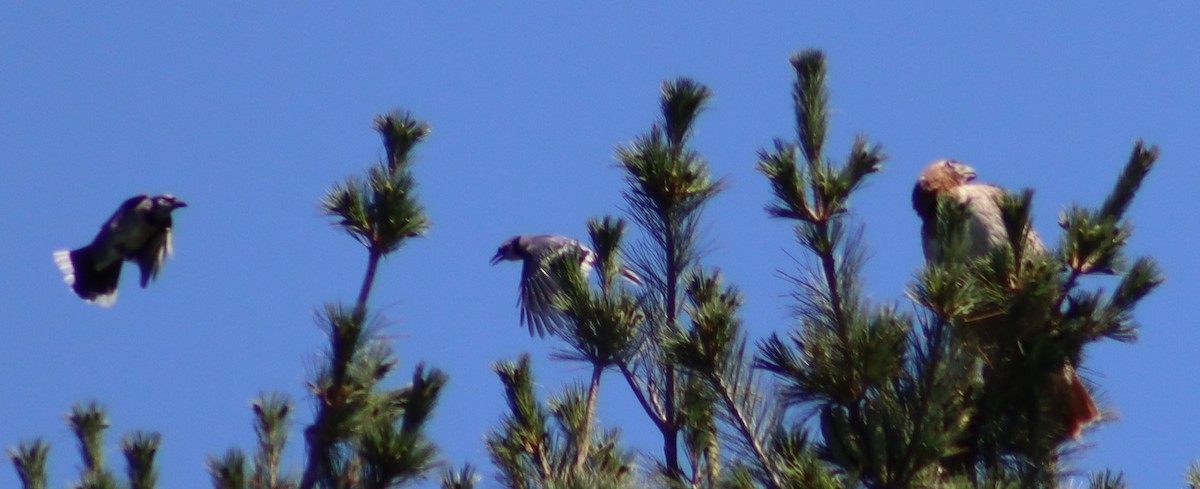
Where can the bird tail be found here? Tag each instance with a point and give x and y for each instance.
(80, 272)
(1078, 410)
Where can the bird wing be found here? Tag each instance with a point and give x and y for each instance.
(122, 215)
(987, 229)
(94, 284)
(536, 299)
(538, 286)
(546, 248)
(106, 247)
(153, 253)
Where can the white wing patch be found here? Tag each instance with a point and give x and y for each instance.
(106, 300)
(168, 244)
(62, 258)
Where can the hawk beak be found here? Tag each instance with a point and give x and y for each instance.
(967, 172)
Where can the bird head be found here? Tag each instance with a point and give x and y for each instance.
(945, 174)
(167, 201)
(162, 205)
(509, 250)
(939, 176)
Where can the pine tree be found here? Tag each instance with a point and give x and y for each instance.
(668, 187)
(959, 394)
(363, 435)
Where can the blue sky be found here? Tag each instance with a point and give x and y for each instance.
(250, 112)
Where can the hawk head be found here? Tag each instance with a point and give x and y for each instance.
(939, 176)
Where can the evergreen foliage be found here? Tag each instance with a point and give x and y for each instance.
(668, 187)
(88, 423)
(965, 392)
(30, 462)
(363, 433)
(464, 478)
(554, 445)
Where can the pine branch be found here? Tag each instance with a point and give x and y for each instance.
(1107, 479)
(589, 420)
(668, 185)
(1130, 181)
(229, 471)
(1193, 476)
(1093, 240)
(714, 349)
(401, 133)
(382, 212)
(30, 461)
(88, 423)
(542, 447)
(645, 397)
(600, 328)
(272, 420)
(364, 292)
(390, 446)
(360, 436)
(140, 449)
(521, 449)
(340, 397)
(848, 361)
(811, 102)
(465, 478)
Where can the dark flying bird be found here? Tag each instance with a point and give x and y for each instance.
(140, 230)
(538, 287)
(951, 179)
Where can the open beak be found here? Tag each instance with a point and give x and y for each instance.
(967, 172)
(496, 259)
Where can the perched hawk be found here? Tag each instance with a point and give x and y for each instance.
(140, 230)
(538, 287)
(951, 179)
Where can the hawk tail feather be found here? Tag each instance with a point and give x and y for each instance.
(1080, 410)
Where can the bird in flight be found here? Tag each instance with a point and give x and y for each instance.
(949, 179)
(538, 287)
(140, 231)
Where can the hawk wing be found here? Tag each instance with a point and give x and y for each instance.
(986, 226)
